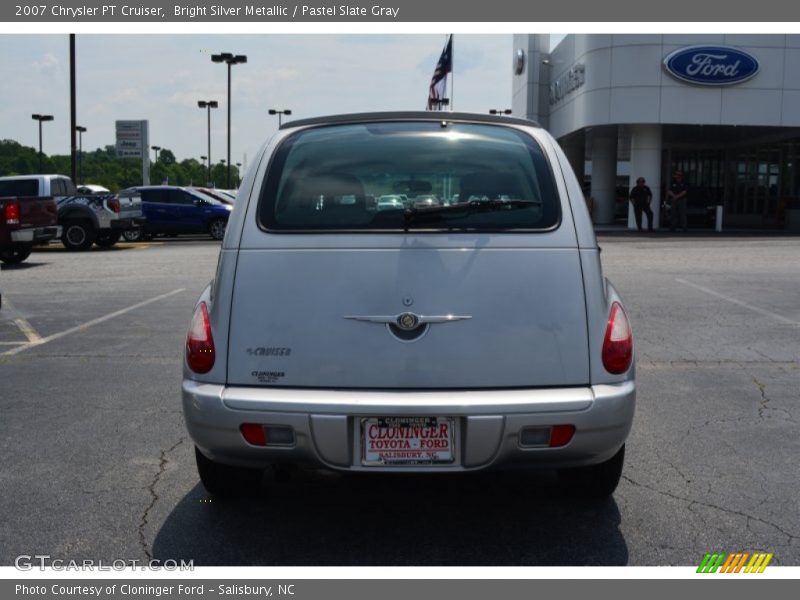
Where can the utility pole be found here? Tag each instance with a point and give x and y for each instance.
(72, 109)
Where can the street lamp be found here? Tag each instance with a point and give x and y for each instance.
(498, 111)
(41, 118)
(80, 131)
(230, 60)
(208, 105)
(286, 112)
(156, 148)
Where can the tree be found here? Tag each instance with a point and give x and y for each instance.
(159, 173)
(103, 167)
(219, 175)
(166, 156)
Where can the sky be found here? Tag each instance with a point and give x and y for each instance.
(161, 77)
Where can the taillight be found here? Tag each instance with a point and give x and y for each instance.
(113, 204)
(618, 343)
(199, 342)
(11, 212)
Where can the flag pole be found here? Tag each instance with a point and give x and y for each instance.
(452, 74)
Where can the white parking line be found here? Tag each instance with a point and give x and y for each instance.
(760, 311)
(88, 324)
(29, 331)
(22, 324)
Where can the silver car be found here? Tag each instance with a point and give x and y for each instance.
(444, 338)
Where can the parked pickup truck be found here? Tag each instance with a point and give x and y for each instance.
(25, 222)
(84, 218)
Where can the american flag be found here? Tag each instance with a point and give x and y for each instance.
(438, 90)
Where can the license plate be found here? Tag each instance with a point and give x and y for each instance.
(398, 441)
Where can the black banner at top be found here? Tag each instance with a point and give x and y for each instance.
(399, 11)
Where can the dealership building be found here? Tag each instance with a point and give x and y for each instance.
(723, 109)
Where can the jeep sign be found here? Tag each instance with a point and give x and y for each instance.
(132, 142)
(711, 65)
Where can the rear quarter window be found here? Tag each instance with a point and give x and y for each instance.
(409, 175)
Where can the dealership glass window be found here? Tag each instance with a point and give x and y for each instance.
(755, 181)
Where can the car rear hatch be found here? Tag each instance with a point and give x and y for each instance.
(481, 290)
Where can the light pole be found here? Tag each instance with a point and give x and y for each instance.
(41, 118)
(208, 105)
(286, 112)
(500, 111)
(238, 175)
(230, 60)
(80, 131)
(157, 149)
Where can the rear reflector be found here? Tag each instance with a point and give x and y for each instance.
(199, 343)
(254, 434)
(11, 212)
(561, 435)
(542, 437)
(267, 435)
(618, 343)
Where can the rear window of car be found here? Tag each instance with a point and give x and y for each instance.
(394, 176)
(19, 187)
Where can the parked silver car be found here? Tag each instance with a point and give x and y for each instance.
(443, 338)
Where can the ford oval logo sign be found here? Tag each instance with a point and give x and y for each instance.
(711, 65)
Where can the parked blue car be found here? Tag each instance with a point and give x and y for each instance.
(174, 210)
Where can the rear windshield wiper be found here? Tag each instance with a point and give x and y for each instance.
(467, 208)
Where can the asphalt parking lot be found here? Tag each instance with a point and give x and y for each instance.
(97, 463)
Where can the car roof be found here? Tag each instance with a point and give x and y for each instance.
(13, 177)
(420, 115)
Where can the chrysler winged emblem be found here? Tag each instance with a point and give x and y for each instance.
(407, 321)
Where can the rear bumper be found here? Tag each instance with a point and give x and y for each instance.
(130, 223)
(326, 423)
(36, 235)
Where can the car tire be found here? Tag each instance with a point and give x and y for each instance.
(226, 481)
(595, 482)
(217, 228)
(15, 254)
(106, 239)
(133, 235)
(78, 235)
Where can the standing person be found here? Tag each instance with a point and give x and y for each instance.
(641, 197)
(678, 191)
